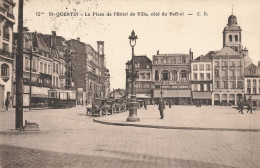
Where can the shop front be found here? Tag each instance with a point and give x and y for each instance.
(203, 97)
(176, 97)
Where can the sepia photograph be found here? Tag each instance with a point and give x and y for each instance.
(129, 84)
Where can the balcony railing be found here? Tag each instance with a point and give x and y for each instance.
(6, 53)
(10, 15)
(6, 13)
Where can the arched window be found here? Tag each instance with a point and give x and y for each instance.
(174, 75)
(156, 75)
(236, 38)
(216, 97)
(230, 38)
(224, 98)
(165, 75)
(5, 72)
(183, 75)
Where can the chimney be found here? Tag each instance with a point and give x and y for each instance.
(53, 38)
(78, 38)
(53, 33)
(245, 52)
(258, 63)
(191, 54)
(25, 29)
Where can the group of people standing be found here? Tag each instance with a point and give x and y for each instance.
(242, 102)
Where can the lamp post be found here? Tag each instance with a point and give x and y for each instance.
(19, 71)
(132, 103)
(30, 95)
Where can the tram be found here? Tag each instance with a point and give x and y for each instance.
(59, 98)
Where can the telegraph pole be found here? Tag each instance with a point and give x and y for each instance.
(19, 71)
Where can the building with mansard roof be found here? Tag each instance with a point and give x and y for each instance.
(47, 70)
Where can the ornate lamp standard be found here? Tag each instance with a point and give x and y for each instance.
(132, 103)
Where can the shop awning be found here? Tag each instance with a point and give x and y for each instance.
(254, 97)
(201, 95)
(143, 96)
(39, 96)
(172, 93)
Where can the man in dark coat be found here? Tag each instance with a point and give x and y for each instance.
(170, 104)
(161, 107)
(6, 104)
(241, 105)
(145, 105)
(250, 105)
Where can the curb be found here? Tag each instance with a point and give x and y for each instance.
(172, 127)
(22, 132)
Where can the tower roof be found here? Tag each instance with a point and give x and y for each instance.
(232, 20)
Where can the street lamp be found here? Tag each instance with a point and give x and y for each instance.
(132, 103)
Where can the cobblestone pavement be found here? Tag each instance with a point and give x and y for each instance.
(219, 117)
(68, 138)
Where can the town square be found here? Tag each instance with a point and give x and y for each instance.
(129, 84)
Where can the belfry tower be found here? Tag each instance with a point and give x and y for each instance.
(232, 34)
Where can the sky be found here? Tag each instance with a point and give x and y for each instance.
(168, 34)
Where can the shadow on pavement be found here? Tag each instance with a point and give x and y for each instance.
(16, 157)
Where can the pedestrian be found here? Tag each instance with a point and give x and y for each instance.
(161, 107)
(199, 103)
(241, 105)
(145, 105)
(170, 104)
(6, 104)
(250, 105)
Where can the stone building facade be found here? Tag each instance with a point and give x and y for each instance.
(252, 83)
(228, 66)
(6, 57)
(47, 58)
(171, 76)
(90, 72)
(228, 77)
(201, 79)
(144, 83)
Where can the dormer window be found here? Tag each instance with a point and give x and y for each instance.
(252, 70)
